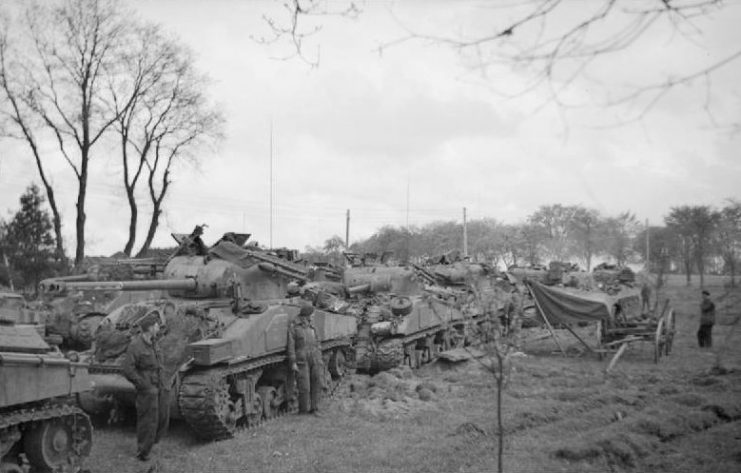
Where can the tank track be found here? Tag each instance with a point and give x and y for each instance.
(22, 417)
(199, 407)
(388, 354)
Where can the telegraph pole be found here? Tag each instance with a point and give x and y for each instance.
(271, 183)
(347, 231)
(465, 235)
(648, 253)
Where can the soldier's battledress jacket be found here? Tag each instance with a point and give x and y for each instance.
(143, 365)
(303, 342)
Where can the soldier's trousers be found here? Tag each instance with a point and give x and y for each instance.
(310, 380)
(705, 336)
(152, 417)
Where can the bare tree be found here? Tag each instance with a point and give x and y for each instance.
(556, 222)
(729, 237)
(693, 226)
(552, 43)
(585, 231)
(19, 123)
(185, 120)
(291, 25)
(161, 107)
(68, 50)
(619, 234)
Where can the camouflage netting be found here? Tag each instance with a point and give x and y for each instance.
(183, 325)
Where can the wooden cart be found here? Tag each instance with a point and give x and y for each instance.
(614, 335)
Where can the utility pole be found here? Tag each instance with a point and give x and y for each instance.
(648, 253)
(271, 183)
(347, 231)
(408, 236)
(465, 235)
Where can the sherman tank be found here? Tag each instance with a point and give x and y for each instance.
(403, 315)
(40, 427)
(226, 314)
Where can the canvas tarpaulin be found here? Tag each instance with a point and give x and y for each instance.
(570, 306)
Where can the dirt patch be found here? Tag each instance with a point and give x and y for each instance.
(621, 450)
(688, 399)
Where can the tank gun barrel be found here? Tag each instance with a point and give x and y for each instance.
(283, 267)
(270, 267)
(424, 274)
(59, 287)
(358, 289)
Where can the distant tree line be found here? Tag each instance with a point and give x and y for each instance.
(693, 240)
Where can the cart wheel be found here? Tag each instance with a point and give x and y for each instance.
(670, 329)
(659, 340)
(599, 335)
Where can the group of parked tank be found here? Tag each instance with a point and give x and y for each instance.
(226, 309)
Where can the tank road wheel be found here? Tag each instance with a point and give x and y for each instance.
(224, 405)
(270, 402)
(338, 364)
(659, 340)
(257, 411)
(444, 340)
(414, 355)
(55, 443)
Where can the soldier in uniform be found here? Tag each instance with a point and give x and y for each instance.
(707, 320)
(305, 360)
(143, 366)
(645, 298)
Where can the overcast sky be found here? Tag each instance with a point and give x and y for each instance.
(413, 134)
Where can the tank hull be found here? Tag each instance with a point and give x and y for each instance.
(37, 420)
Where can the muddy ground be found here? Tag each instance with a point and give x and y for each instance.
(561, 414)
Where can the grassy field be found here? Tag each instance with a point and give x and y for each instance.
(561, 414)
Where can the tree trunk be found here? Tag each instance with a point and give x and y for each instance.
(153, 223)
(132, 221)
(80, 221)
(56, 220)
(500, 427)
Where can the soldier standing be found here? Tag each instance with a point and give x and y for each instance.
(305, 359)
(645, 297)
(144, 368)
(707, 320)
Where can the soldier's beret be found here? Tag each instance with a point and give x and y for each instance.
(705, 293)
(149, 319)
(306, 310)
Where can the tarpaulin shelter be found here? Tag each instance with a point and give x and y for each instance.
(567, 306)
(570, 306)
